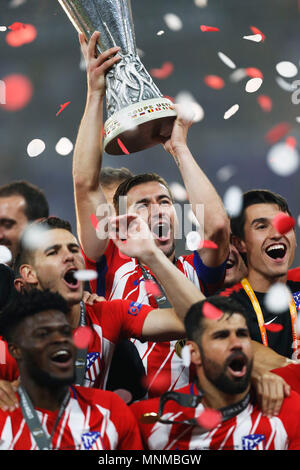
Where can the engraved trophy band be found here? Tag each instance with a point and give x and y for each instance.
(138, 115)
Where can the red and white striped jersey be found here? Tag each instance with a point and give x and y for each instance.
(93, 420)
(120, 277)
(249, 430)
(110, 323)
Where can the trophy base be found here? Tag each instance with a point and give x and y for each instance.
(139, 126)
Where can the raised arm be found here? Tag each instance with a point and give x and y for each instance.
(87, 158)
(200, 192)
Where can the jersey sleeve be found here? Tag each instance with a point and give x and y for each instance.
(290, 416)
(211, 279)
(8, 366)
(291, 374)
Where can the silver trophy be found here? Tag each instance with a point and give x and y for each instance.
(138, 115)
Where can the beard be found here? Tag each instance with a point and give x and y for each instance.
(216, 374)
(45, 379)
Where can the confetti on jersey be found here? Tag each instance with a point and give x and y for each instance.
(209, 418)
(62, 107)
(164, 72)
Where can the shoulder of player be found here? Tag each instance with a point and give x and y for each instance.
(95, 396)
(290, 406)
(294, 285)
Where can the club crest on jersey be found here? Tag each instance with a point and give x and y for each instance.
(296, 296)
(91, 358)
(89, 439)
(134, 308)
(252, 441)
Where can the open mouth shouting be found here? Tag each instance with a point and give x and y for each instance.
(276, 251)
(161, 231)
(62, 358)
(237, 365)
(70, 280)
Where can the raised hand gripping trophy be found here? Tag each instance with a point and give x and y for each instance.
(138, 116)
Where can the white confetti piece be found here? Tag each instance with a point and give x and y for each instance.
(193, 219)
(283, 159)
(277, 298)
(160, 33)
(298, 118)
(225, 173)
(254, 37)
(124, 394)
(35, 147)
(186, 356)
(191, 109)
(286, 69)
(3, 28)
(64, 146)
(233, 201)
(178, 191)
(238, 75)
(226, 60)
(286, 86)
(86, 275)
(231, 111)
(200, 3)
(34, 237)
(193, 240)
(253, 85)
(5, 255)
(173, 21)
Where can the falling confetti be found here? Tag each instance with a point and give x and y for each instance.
(62, 107)
(282, 159)
(124, 394)
(178, 191)
(254, 72)
(186, 356)
(209, 418)
(265, 103)
(273, 327)
(277, 298)
(237, 75)
(211, 312)
(193, 240)
(286, 86)
(94, 221)
(64, 146)
(35, 147)
(226, 60)
(208, 244)
(189, 107)
(18, 92)
(233, 201)
(205, 28)
(286, 69)
(253, 85)
(5, 255)
(160, 33)
(20, 34)
(192, 218)
(86, 275)
(254, 38)
(231, 111)
(164, 72)
(82, 337)
(214, 81)
(257, 31)
(225, 173)
(152, 288)
(3, 28)
(173, 21)
(34, 237)
(122, 147)
(283, 223)
(200, 3)
(291, 141)
(277, 132)
(158, 381)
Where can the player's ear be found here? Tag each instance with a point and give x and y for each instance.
(238, 243)
(28, 274)
(195, 353)
(15, 351)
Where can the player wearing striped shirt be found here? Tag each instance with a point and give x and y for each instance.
(52, 413)
(147, 195)
(219, 411)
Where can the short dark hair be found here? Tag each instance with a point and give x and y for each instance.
(36, 202)
(129, 183)
(256, 196)
(28, 304)
(25, 253)
(109, 175)
(194, 320)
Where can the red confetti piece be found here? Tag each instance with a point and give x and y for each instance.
(62, 107)
(170, 98)
(18, 92)
(253, 72)
(164, 72)
(205, 28)
(283, 223)
(277, 132)
(214, 81)
(257, 31)
(82, 337)
(16, 26)
(208, 244)
(94, 221)
(273, 327)
(211, 312)
(159, 383)
(209, 418)
(265, 103)
(21, 35)
(122, 147)
(291, 141)
(152, 288)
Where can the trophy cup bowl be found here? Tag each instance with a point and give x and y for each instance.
(138, 115)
